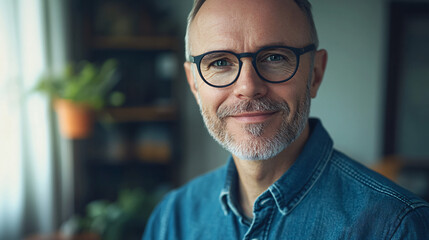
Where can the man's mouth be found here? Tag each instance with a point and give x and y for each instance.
(253, 117)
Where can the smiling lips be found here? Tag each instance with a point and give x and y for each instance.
(253, 117)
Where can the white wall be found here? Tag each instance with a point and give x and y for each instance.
(350, 100)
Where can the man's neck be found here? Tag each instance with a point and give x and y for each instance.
(256, 176)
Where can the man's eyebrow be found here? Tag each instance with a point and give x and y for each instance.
(256, 48)
(272, 44)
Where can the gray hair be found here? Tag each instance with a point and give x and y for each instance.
(304, 5)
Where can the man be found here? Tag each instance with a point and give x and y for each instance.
(253, 66)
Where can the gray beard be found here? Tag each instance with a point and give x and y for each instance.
(257, 147)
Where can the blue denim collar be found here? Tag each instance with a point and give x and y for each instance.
(295, 183)
(227, 196)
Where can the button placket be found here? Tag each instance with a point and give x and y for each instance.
(262, 213)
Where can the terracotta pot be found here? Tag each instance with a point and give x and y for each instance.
(75, 120)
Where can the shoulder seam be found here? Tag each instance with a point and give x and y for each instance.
(375, 185)
(404, 215)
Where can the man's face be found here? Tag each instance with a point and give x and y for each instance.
(252, 119)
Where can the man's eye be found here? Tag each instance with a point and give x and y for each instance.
(221, 63)
(275, 58)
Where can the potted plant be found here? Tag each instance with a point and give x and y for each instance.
(78, 92)
(124, 218)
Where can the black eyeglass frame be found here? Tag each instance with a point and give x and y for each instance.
(297, 51)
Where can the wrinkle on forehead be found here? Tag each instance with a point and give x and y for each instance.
(247, 25)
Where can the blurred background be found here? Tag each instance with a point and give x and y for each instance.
(97, 122)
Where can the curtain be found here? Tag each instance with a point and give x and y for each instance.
(32, 176)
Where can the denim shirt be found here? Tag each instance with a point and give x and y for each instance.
(324, 195)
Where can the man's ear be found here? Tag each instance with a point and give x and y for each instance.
(191, 81)
(320, 61)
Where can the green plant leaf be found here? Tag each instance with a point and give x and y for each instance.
(84, 83)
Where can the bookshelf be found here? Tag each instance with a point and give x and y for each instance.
(136, 145)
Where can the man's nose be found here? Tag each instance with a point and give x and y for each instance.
(249, 85)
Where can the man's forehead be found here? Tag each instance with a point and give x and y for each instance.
(251, 22)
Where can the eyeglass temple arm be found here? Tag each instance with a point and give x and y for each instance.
(308, 48)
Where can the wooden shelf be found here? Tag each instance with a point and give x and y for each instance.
(135, 43)
(132, 163)
(143, 114)
(59, 236)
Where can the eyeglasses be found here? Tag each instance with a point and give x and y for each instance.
(274, 64)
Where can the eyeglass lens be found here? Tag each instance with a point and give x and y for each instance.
(274, 64)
